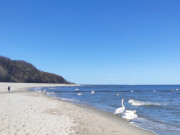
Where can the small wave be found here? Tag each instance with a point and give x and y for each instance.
(53, 94)
(156, 126)
(143, 103)
(67, 99)
(36, 89)
(52, 88)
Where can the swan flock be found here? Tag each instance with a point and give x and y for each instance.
(126, 114)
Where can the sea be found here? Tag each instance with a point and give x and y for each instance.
(157, 106)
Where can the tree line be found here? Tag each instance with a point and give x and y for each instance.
(22, 71)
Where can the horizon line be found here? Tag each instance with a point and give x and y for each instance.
(129, 84)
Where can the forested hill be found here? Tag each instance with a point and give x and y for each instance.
(21, 71)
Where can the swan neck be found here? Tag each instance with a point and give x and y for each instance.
(122, 103)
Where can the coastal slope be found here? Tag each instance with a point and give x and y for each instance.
(22, 71)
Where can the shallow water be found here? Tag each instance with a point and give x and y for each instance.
(157, 106)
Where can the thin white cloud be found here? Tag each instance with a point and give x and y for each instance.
(135, 79)
(110, 79)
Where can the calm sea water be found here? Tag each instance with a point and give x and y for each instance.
(157, 106)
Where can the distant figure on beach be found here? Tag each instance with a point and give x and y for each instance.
(9, 88)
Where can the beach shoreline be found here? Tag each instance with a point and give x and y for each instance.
(26, 112)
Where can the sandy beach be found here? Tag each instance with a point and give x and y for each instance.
(23, 112)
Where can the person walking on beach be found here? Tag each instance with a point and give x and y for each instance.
(9, 88)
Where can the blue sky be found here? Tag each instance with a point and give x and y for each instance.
(95, 41)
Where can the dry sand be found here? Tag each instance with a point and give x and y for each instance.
(23, 112)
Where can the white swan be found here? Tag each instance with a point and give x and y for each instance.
(92, 92)
(129, 115)
(44, 91)
(76, 89)
(79, 94)
(120, 110)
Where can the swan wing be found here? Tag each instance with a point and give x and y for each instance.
(129, 115)
(119, 110)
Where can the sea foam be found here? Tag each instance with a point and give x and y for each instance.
(143, 103)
